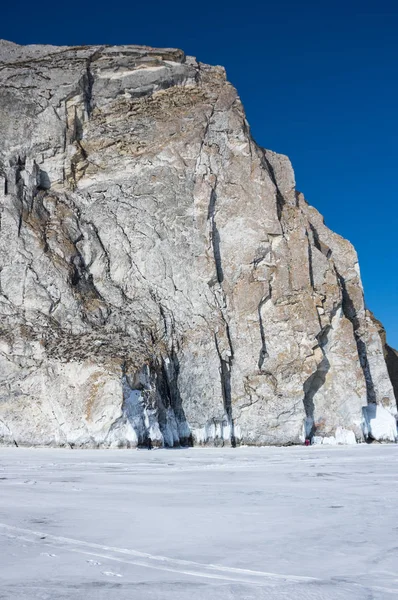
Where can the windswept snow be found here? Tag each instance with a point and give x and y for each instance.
(316, 523)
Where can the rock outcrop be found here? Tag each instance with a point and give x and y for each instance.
(390, 355)
(162, 281)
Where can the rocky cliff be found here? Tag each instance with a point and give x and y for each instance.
(162, 281)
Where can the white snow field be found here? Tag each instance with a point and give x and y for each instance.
(302, 523)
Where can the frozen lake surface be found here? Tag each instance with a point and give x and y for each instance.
(252, 523)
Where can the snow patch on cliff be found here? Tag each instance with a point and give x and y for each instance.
(379, 423)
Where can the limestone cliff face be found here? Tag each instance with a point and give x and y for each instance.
(390, 355)
(162, 281)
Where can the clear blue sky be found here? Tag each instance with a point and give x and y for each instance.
(319, 81)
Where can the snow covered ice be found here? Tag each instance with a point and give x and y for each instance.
(295, 523)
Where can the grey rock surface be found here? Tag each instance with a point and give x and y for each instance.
(390, 355)
(162, 281)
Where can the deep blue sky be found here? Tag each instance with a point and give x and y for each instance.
(319, 81)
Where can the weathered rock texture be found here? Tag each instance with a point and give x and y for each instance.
(390, 355)
(162, 281)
